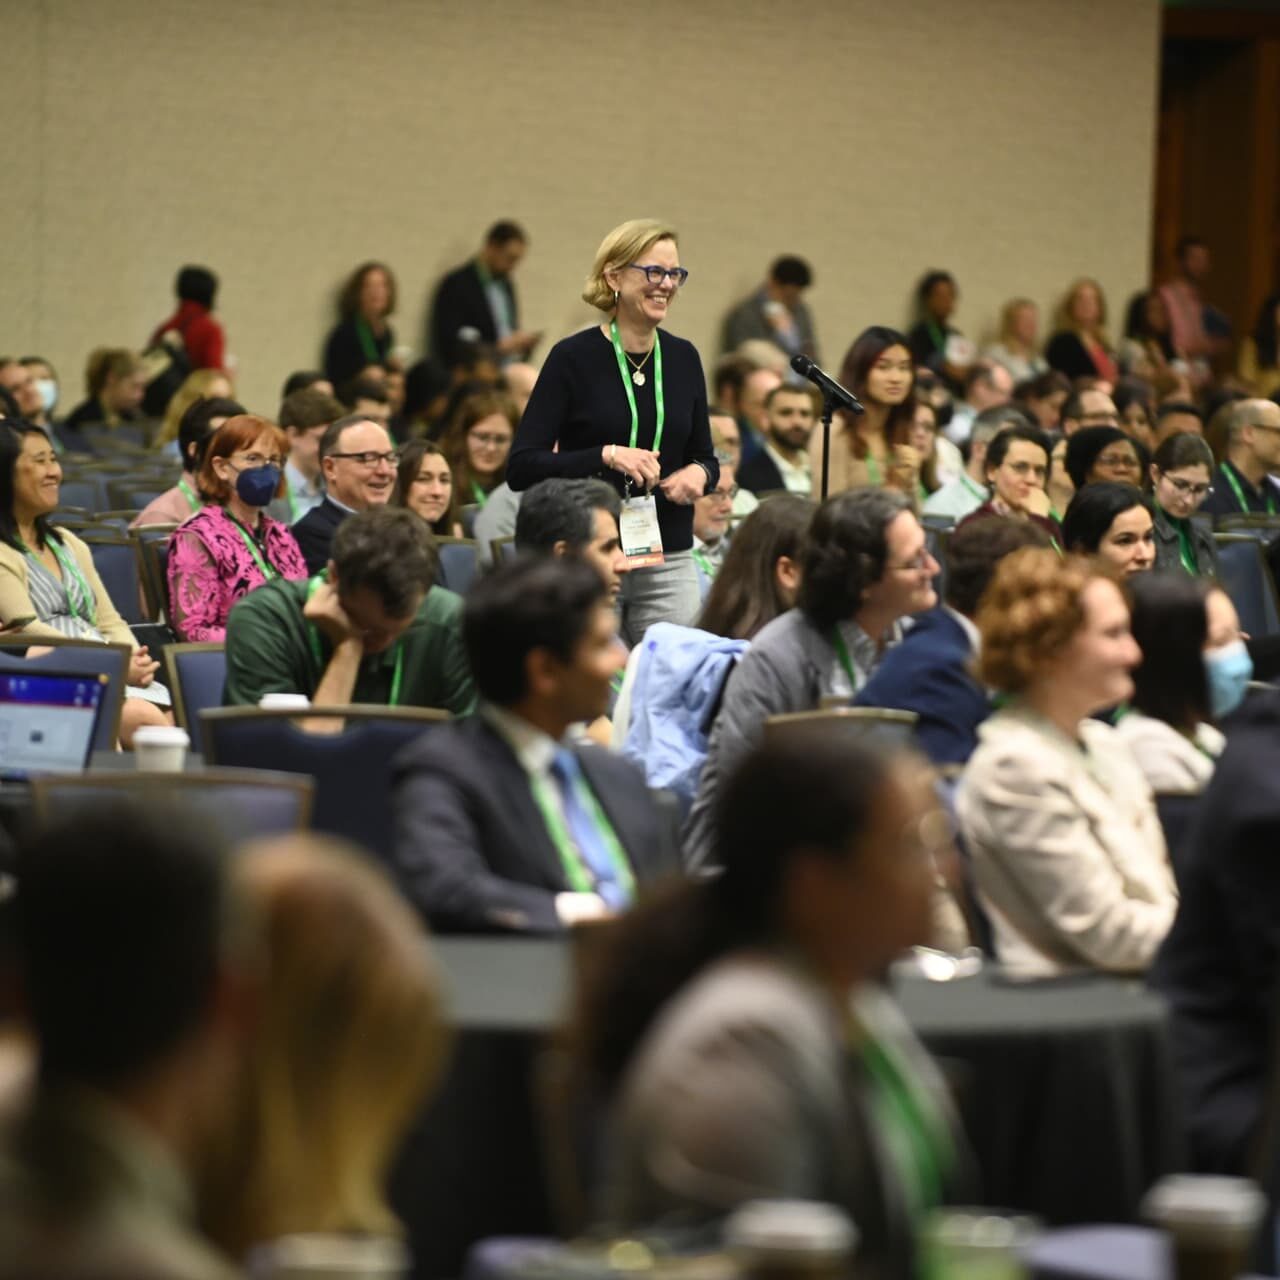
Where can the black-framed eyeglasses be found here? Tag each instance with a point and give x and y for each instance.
(1187, 488)
(369, 458)
(656, 275)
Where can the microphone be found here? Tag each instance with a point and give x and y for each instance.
(830, 388)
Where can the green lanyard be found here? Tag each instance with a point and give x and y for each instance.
(1270, 502)
(938, 336)
(313, 635)
(1186, 549)
(631, 395)
(842, 652)
(70, 574)
(700, 559)
(190, 494)
(367, 342)
(478, 494)
(874, 475)
(269, 570)
(575, 869)
(979, 491)
(293, 502)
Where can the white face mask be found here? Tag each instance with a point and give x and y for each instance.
(48, 393)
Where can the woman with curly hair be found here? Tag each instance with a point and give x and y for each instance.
(1060, 823)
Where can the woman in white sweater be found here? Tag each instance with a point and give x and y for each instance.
(1067, 849)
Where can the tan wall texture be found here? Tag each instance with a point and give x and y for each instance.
(282, 141)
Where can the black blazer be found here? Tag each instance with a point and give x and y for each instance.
(1169, 550)
(1068, 355)
(460, 303)
(760, 473)
(315, 531)
(471, 849)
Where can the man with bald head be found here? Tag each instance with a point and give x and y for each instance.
(359, 465)
(1243, 484)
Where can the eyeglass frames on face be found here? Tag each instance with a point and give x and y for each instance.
(725, 495)
(369, 458)
(1187, 488)
(1118, 461)
(253, 460)
(656, 275)
(488, 441)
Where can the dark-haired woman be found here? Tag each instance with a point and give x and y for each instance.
(1195, 668)
(738, 1027)
(47, 580)
(1104, 454)
(424, 484)
(1260, 352)
(1181, 472)
(362, 336)
(933, 342)
(1112, 521)
(871, 448)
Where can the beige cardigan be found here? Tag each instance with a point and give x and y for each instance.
(1067, 849)
(15, 596)
(848, 472)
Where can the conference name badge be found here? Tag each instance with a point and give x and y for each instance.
(641, 537)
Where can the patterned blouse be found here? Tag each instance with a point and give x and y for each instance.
(214, 561)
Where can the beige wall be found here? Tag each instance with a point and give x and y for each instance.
(282, 141)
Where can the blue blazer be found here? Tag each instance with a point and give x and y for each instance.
(928, 673)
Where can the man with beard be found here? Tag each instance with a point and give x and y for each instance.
(784, 461)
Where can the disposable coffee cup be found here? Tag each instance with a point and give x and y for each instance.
(977, 1243)
(1212, 1222)
(786, 1239)
(160, 748)
(284, 702)
(329, 1257)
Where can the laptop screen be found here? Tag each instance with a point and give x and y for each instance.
(48, 720)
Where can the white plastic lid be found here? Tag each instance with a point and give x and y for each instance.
(335, 1255)
(791, 1227)
(161, 735)
(1185, 1201)
(284, 701)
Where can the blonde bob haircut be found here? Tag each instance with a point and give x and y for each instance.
(623, 245)
(1029, 614)
(349, 1037)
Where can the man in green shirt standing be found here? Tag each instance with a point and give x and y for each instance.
(371, 629)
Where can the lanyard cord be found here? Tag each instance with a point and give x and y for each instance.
(576, 870)
(313, 635)
(193, 499)
(70, 574)
(631, 395)
(1229, 471)
(268, 570)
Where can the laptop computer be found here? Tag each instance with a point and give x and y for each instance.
(48, 721)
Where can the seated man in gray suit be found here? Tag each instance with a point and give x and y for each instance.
(501, 821)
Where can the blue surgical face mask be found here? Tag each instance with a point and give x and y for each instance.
(258, 485)
(48, 393)
(1229, 670)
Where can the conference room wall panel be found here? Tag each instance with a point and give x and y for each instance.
(281, 143)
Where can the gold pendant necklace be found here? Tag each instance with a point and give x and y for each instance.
(637, 370)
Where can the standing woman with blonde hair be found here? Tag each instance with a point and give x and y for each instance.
(628, 404)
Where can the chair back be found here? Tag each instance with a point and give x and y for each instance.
(195, 674)
(132, 492)
(123, 437)
(153, 544)
(88, 656)
(459, 563)
(115, 557)
(1253, 523)
(883, 727)
(467, 517)
(1243, 574)
(503, 549)
(239, 803)
(351, 768)
(88, 493)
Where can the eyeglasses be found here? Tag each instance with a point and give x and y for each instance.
(1118, 460)
(921, 560)
(369, 458)
(253, 460)
(1186, 488)
(1027, 469)
(727, 495)
(488, 441)
(656, 275)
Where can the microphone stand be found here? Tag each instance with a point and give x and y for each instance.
(828, 408)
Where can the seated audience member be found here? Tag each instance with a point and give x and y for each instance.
(712, 514)
(1104, 453)
(496, 519)
(1059, 486)
(1195, 669)
(1067, 849)
(866, 566)
(369, 397)
(1042, 399)
(987, 385)
(518, 380)
(304, 417)
(424, 484)
(478, 443)
(202, 337)
(231, 545)
(359, 465)
(1243, 483)
(931, 671)
(374, 629)
(1017, 467)
(502, 822)
(934, 344)
(134, 977)
(871, 449)
(1147, 348)
(738, 1026)
(47, 386)
(1260, 352)
(941, 462)
(305, 380)
(198, 425)
(574, 518)
(1177, 417)
(969, 491)
(199, 384)
(726, 438)
(1181, 479)
(48, 585)
(1219, 966)
(362, 336)
(1080, 348)
(1018, 348)
(22, 384)
(115, 384)
(348, 1039)
(757, 381)
(1113, 522)
(1091, 407)
(776, 312)
(1136, 417)
(783, 462)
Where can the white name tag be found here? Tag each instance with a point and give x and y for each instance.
(641, 537)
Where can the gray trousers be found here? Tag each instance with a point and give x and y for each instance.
(666, 592)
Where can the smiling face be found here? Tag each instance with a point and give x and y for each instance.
(889, 378)
(488, 443)
(639, 302)
(432, 488)
(366, 481)
(713, 512)
(37, 477)
(1099, 657)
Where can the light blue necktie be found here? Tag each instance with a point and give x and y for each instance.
(585, 831)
